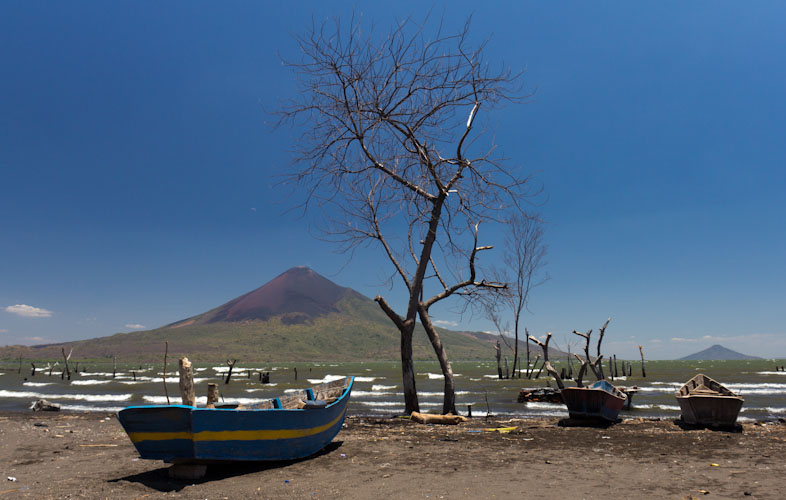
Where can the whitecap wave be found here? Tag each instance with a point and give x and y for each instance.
(89, 382)
(326, 379)
(107, 409)
(382, 387)
(56, 397)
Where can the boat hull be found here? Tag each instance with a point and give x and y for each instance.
(177, 433)
(704, 401)
(719, 411)
(594, 402)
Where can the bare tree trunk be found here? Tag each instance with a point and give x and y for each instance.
(406, 328)
(616, 372)
(545, 347)
(67, 370)
(498, 355)
(32, 374)
(515, 346)
(537, 375)
(114, 366)
(166, 354)
(231, 365)
(507, 370)
(582, 371)
(408, 372)
(643, 373)
(532, 371)
(449, 400)
(599, 373)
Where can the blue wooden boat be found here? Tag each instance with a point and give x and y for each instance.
(286, 428)
(601, 400)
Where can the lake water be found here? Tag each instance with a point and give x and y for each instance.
(377, 389)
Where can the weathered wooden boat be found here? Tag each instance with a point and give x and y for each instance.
(601, 400)
(703, 401)
(286, 428)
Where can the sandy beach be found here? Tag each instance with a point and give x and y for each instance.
(89, 456)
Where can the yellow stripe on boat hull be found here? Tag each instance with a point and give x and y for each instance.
(252, 435)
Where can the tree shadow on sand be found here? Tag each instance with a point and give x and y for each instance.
(158, 479)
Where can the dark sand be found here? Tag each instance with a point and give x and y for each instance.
(89, 456)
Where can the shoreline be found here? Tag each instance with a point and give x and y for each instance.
(88, 455)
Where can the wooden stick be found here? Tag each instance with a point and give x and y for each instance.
(166, 353)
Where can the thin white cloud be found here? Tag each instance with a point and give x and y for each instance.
(135, 326)
(35, 339)
(3, 330)
(444, 322)
(656, 341)
(682, 339)
(28, 311)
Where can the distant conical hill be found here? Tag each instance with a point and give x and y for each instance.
(717, 352)
(296, 296)
(298, 316)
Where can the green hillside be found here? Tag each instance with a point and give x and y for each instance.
(358, 331)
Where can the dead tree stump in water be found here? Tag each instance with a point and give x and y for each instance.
(231, 365)
(643, 373)
(187, 383)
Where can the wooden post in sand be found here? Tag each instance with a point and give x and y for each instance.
(212, 395)
(187, 383)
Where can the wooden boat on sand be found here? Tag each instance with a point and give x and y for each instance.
(601, 400)
(286, 428)
(703, 401)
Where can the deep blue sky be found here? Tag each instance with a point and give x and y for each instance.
(138, 167)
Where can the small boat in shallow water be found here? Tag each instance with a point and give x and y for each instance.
(601, 400)
(703, 401)
(286, 428)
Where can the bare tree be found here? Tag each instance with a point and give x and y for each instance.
(523, 261)
(391, 154)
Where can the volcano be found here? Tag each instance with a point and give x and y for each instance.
(297, 295)
(297, 316)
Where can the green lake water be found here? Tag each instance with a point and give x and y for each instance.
(377, 389)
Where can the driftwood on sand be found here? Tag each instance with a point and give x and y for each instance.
(448, 419)
(44, 405)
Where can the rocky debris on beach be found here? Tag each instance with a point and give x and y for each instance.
(540, 395)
